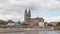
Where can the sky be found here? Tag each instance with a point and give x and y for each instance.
(14, 9)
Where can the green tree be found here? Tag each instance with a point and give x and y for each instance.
(2, 22)
(45, 23)
(19, 22)
(10, 21)
(23, 23)
(58, 24)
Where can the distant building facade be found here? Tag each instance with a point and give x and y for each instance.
(52, 23)
(31, 21)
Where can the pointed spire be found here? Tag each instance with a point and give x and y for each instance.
(29, 10)
(29, 13)
(25, 15)
(25, 10)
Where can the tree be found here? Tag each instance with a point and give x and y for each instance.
(19, 22)
(58, 24)
(23, 23)
(10, 21)
(45, 24)
(2, 22)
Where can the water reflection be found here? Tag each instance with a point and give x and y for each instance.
(53, 32)
(36, 32)
(12, 33)
(31, 32)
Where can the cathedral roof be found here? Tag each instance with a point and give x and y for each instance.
(38, 18)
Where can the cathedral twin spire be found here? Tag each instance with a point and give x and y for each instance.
(27, 14)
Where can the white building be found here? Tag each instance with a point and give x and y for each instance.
(41, 24)
(11, 24)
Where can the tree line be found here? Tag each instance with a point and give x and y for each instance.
(3, 22)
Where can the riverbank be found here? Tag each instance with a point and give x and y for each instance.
(26, 30)
(10, 30)
(34, 32)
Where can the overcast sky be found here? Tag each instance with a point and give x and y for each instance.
(14, 9)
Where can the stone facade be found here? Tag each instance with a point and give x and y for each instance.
(31, 21)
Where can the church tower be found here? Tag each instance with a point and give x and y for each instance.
(27, 15)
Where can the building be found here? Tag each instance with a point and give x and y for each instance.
(52, 23)
(31, 21)
(38, 21)
(41, 24)
(27, 15)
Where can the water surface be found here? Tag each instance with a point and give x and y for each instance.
(35, 32)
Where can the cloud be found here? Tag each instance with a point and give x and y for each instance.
(53, 19)
(32, 4)
(15, 8)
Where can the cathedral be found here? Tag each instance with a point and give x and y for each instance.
(27, 15)
(31, 21)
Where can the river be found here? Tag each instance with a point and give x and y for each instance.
(35, 32)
